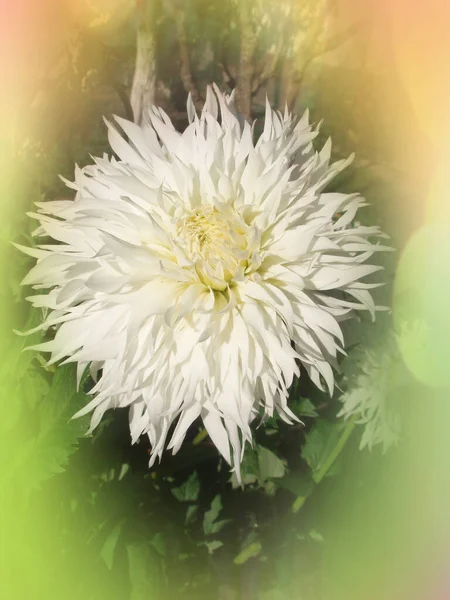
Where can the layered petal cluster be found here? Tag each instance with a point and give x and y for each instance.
(195, 273)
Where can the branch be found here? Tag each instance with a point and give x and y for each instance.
(247, 51)
(187, 78)
(295, 80)
(312, 51)
(268, 68)
(227, 76)
(120, 88)
(144, 79)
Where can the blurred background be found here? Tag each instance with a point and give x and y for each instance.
(326, 513)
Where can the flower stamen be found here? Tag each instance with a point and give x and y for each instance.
(216, 243)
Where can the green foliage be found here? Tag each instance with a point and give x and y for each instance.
(188, 491)
(259, 467)
(303, 407)
(211, 524)
(52, 433)
(108, 549)
(374, 378)
(146, 572)
(251, 550)
(320, 445)
(270, 466)
(58, 433)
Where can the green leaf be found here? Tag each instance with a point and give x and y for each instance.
(323, 445)
(189, 490)
(191, 513)
(300, 485)
(146, 572)
(34, 387)
(303, 407)
(213, 545)
(259, 466)
(210, 525)
(320, 441)
(56, 433)
(159, 544)
(315, 536)
(109, 547)
(269, 464)
(249, 468)
(248, 552)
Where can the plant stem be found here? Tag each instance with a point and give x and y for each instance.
(247, 52)
(336, 450)
(201, 435)
(328, 463)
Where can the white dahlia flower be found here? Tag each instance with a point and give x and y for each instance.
(197, 272)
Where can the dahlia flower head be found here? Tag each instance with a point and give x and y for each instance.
(196, 272)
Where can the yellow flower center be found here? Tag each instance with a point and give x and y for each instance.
(216, 242)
